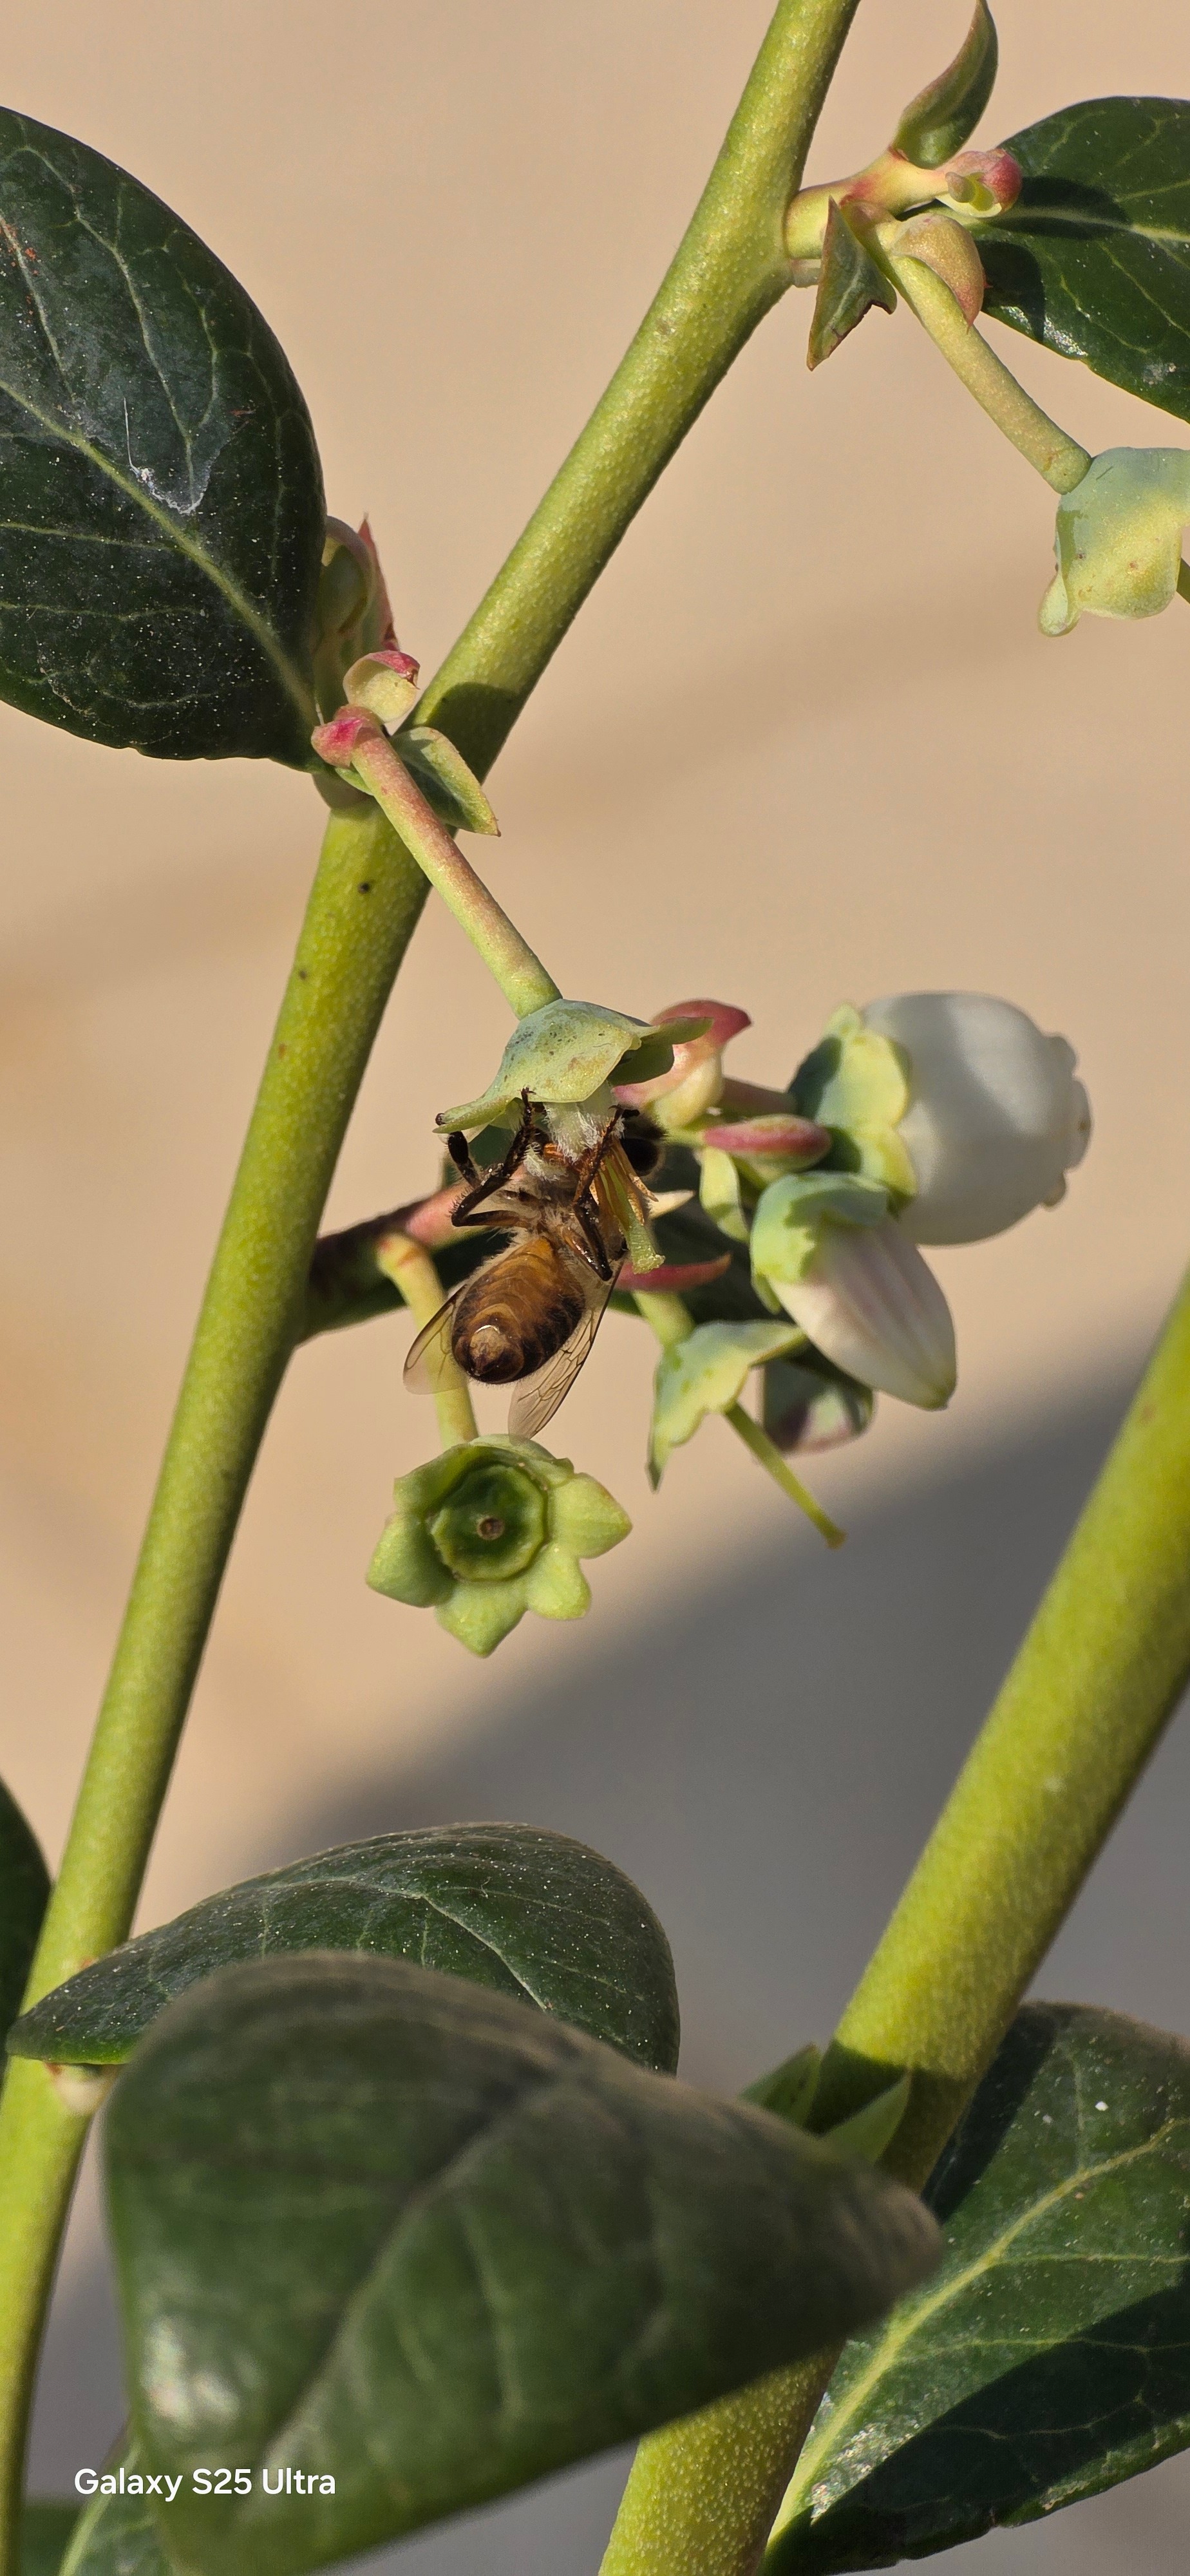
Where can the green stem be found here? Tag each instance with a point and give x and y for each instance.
(1097, 1678)
(365, 902)
(756, 1439)
(1046, 447)
(729, 271)
(519, 973)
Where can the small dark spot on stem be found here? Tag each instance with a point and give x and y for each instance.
(282, 1049)
(303, 974)
(366, 887)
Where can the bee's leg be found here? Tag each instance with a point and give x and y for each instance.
(485, 1186)
(460, 1154)
(587, 1219)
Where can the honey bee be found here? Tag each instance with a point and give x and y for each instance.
(529, 1316)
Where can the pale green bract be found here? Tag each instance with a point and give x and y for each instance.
(565, 1052)
(791, 1213)
(707, 1373)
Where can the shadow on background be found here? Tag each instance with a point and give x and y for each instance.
(765, 1759)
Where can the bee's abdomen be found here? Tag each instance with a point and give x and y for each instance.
(507, 1326)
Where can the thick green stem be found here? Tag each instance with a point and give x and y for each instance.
(730, 270)
(364, 905)
(1097, 1677)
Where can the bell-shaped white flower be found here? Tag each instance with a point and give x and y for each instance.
(996, 1117)
(872, 1304)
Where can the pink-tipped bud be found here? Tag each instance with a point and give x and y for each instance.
(385, 682)
(676, 1276)
(695, 1078)
(796, 1142)
(988, 182)
(338, 741)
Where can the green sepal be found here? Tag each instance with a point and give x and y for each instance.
(850, 282)
(791, 1213)
(855, 1083)
(24, 1895)
(445, 780)
(870, 2131)
(526, 1912)
(790, 2088)
(563, 1053)
(1051, 2357)
(431, 2244)
(719, 1193)
(707, 1373)
(1093, 260)
(937, 122)
(46, 2526)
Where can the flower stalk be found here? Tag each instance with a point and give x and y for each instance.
(356, 741)
(1048, 449)
(411, 1269)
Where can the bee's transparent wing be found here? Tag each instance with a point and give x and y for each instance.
(431, 1361)
(536, 1399)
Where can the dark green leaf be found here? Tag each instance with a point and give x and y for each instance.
(531, 1914)
(1094, 258)
(849, 284)
(376, 2226)
(163, 521)
(1050, 2356)
(24, 1890)
(46, 2527)
(938, 121)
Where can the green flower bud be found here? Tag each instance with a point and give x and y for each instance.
(563, 1054)
(854, 1083)
(1119, 537)
(490, 1529)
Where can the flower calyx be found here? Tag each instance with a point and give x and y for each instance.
(681, 1093)
(854, 1084)
(1118, 541)
(490, 1529)
(566, 1053)
(707, 1372)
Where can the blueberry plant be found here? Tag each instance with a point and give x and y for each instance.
(407, 2203)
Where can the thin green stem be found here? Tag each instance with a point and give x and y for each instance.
(519, 973)
(763, 1449)
(668, 1316)
(1097, 1678)
(413, 1272)
(1058, 458)
(729, 271)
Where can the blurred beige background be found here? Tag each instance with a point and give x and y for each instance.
(805, 744)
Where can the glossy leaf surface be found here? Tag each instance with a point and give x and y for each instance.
(163, 514)
(24, 1889)
(46, 2526)
(1094, 257)
(376, 2224)
(528, 1913)
(1050, 2355)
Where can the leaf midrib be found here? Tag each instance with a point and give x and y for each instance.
(237, 599)
(898, 2337)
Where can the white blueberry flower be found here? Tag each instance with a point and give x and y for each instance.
(825, 1247)
(995, 1118)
